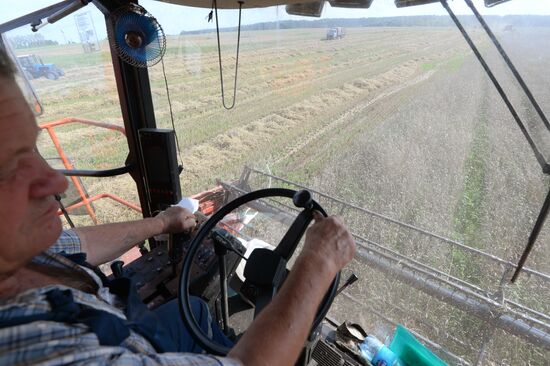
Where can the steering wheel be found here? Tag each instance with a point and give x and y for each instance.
(265, 269)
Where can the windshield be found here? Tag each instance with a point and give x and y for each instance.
(385, 111)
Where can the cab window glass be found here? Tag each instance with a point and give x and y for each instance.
(385, 113)
(389, 111)
(68, 78)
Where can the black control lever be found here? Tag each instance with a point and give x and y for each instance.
(221, 246)
(223, 238)
(351, 280)
(290, 241)
(116, 268)
(175, 250)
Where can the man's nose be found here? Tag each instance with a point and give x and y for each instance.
(48, 182)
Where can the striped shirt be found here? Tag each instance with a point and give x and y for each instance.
(55, 343)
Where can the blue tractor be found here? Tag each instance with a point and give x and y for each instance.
(34, 68)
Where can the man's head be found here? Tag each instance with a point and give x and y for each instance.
(28, 212)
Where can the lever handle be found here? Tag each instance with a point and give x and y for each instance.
(116, 268)
(351, 280)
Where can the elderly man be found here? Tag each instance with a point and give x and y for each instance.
(54, 310)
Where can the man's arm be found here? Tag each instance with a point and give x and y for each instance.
(277, 336)
(103, 243)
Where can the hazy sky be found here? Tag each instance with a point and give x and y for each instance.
(174, 19)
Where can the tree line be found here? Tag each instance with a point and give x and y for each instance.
(401, 21)
(31, 40)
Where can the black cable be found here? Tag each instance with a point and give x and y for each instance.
(170, 108)
(65, 213)
(509, 63)
(538, 155)
(58, 196)
(215, 5)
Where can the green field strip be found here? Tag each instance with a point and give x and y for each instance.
(468, 219)
(469, 210)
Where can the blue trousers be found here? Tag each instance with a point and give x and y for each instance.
(170, 318)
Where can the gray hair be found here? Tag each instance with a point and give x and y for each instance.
(7, 70)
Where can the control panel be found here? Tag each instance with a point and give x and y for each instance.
(156, 274)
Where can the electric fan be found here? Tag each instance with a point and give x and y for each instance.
(138, 37)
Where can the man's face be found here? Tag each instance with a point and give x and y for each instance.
(29, 222)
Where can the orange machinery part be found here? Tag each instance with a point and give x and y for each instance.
(49, 126)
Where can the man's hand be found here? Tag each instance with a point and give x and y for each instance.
(177, 219)
(328, 240)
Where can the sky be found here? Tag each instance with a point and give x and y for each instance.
(175, 18)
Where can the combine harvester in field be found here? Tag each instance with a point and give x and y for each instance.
(335, 33)
(452, 263)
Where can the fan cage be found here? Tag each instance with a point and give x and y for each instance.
(150, 54)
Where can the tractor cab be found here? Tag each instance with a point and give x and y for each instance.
(425, 129)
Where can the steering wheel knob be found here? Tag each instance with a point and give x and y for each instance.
(303, 199)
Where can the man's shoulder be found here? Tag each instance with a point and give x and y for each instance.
(32, 321)
(29, 315)
(29, 335)
(33, 303)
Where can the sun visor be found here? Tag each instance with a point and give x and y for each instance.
(313, 9)
(405, 3)
(364, 4)
(489, 3)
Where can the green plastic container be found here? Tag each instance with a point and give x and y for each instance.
(410, 351)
